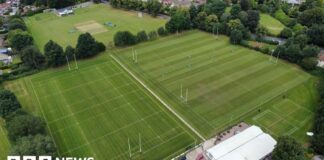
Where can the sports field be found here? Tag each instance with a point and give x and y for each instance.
(94, 110)
(226, 84)
(93, 19)
(272, 24)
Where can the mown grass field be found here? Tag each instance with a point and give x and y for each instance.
(4, 143)
(93, 111)
(226, 84)
(273, 25)
(48, 26)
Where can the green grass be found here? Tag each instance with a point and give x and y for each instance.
(273, 25)
(4, 143)
(94, 110)
(48, 26)
(226, 84)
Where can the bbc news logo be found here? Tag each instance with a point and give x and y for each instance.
(46, 158)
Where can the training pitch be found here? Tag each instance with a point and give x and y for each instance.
(95, 110)
(223, 84)
(93, 19)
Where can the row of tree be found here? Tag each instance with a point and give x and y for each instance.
(317, 140)
(126, 38)
(27, 133)
(54, 55)
(52, 3)
(153, 7)
(211, 17)
(297, 50)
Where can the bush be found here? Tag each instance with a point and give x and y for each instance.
(8, 103)
(100, 46)
(25, 125)
(124, 38)
(152, 35)
(309, 63)
(162, 31)
(286, 33)
(141, 36)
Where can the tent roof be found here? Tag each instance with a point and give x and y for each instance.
(250, 144)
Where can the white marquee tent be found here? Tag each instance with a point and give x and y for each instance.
(250, 144)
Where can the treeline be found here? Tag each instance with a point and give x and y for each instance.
(298, 50)
(27, 133)
(52, 3)
(126, 38)
(153, 7)
(210, 17)
(54, 55)
(317, 141)
(307, 17)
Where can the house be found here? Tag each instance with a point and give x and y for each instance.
(249, 144)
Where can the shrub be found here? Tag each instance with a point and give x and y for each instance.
(124, 38)
(162, 31)
(286, 33)
(152, 35)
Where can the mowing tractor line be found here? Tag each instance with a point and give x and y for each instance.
(158, 98)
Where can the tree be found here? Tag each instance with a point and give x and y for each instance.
(216, 7)
(286, 33)
(200, 20)
(69, 51)
(162, 31)
(8, 103)
(261, 31)
(21, 40)
(301, 40)
(152, 35)
(310, 51)
(54, 54)
(288, 148)
(235, 25)
(309, 63)
(25, 125)
(193, 11)
(253, 20)
(312, 16)
(17, 23)
(86, 46)
(318, 127)
(34, 145)
(245, 5)
(141, 36)
(124, 38)
(236, 36)
(31, 57)
(235, 10)
(154, 7)
(243, 16)
(211, 23)
(316, 34)
(179, 21)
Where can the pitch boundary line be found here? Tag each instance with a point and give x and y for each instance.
(40, 106)
(159, 99)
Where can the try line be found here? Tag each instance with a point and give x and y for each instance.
(158, 98)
